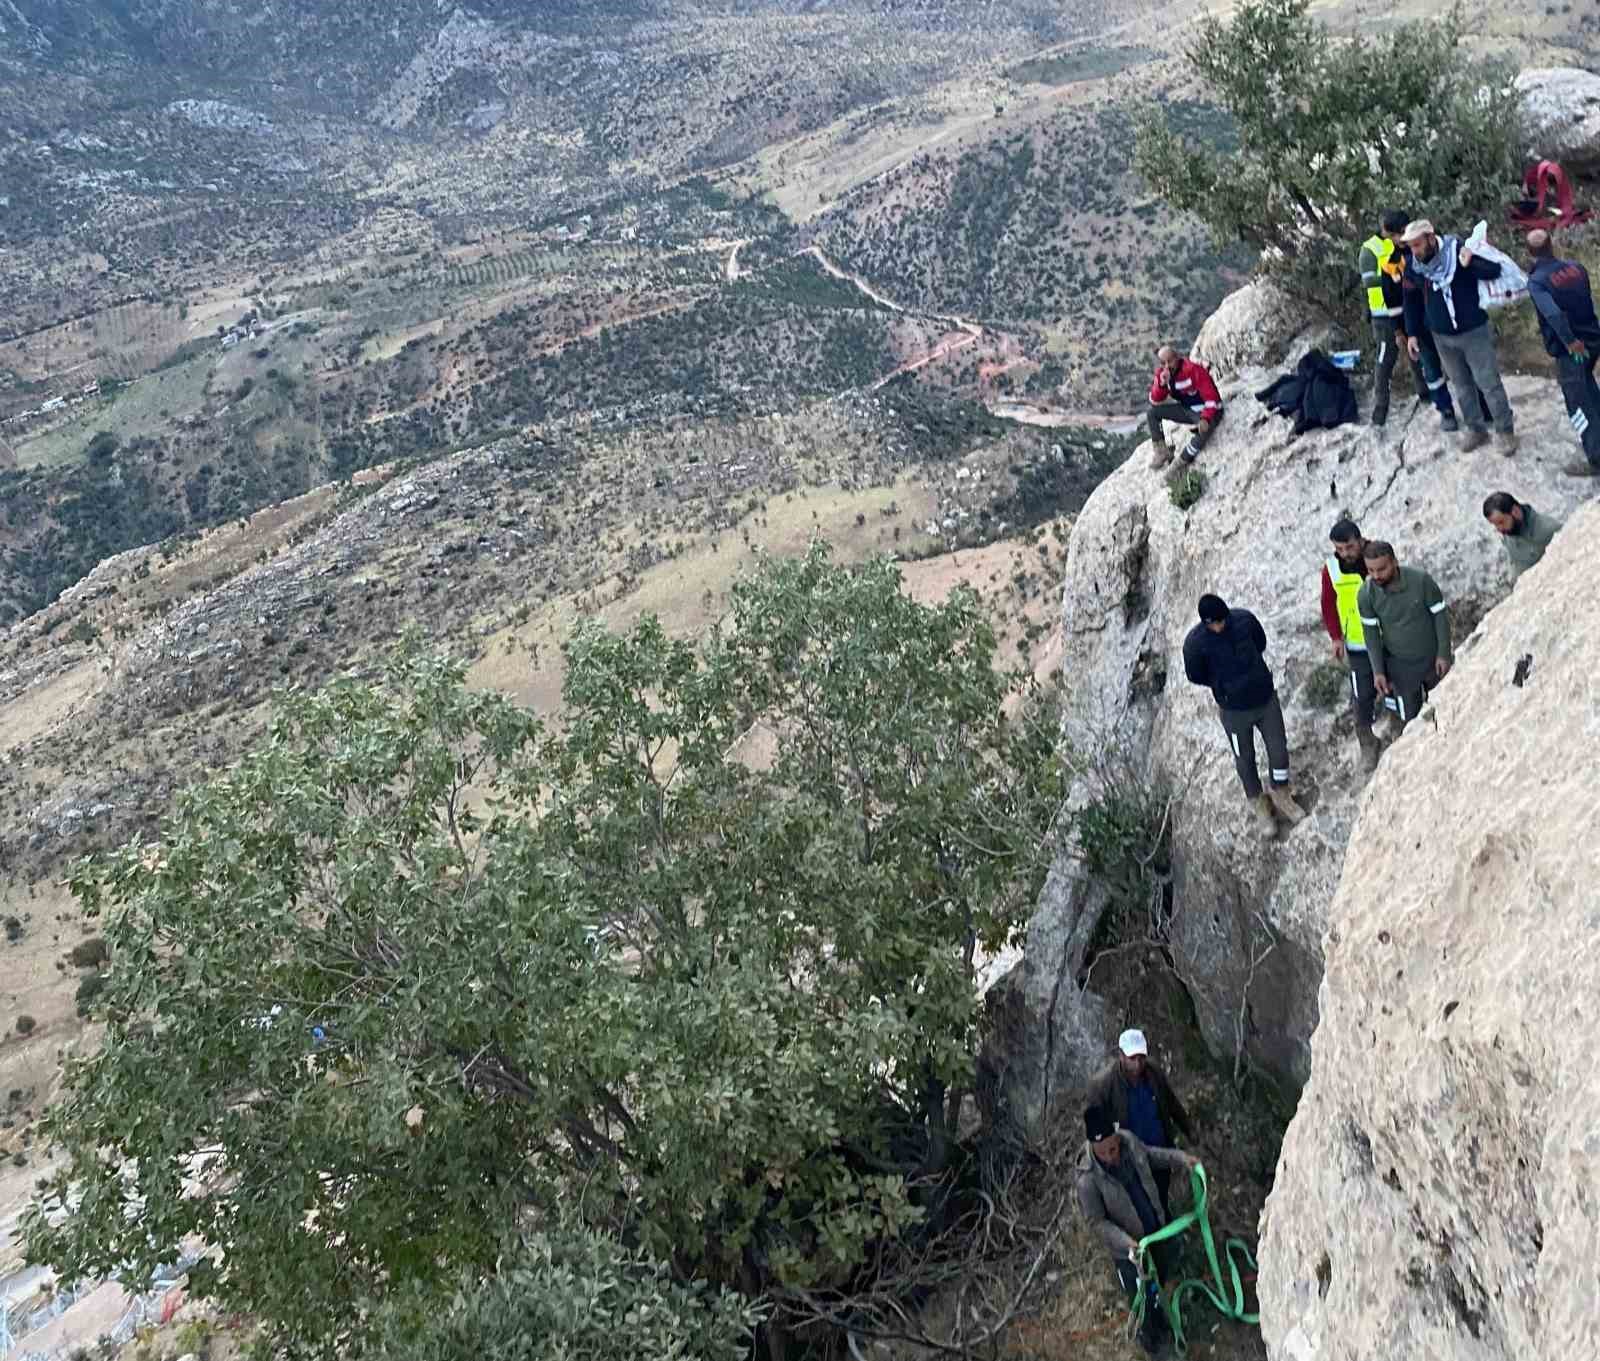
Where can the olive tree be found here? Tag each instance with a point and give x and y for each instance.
(1333, 130)
(689, 966)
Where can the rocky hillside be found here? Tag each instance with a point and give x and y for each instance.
(1438, 1190)
(1244, 919)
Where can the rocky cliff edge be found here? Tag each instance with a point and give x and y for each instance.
(1439, 1189)
(1246, 918)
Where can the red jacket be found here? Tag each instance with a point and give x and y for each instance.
(1330, 609)
(1193, 387)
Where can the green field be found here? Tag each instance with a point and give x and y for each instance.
(1090, 64)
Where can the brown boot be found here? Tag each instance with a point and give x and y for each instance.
(1266, 819)
(1160, 454)
(1371, 748)
(1475, 439)
(1282, 799)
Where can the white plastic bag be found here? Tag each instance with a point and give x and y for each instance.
(1512, 285)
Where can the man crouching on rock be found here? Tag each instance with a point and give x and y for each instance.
(1181, 391)
(1117, 1194)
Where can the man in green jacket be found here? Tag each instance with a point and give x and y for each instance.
(1524, 532)
(1406, 625)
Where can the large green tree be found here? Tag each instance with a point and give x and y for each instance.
(423, 981)
(1332, 131)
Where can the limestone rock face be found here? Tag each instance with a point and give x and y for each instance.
(1561, 106)
(1252, 326)
(1247, 915)
(1438, 1194)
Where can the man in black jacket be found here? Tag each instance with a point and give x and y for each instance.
(1441, 293)
(1224, 651)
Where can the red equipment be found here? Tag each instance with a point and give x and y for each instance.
(1547, 200)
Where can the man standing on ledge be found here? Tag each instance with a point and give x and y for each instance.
(1445, 303)
(1383, 264)
(1140, 1099)
(1343, 576)
(1571, 334)
(1406, 625)
(1184, 392)
(1224, 651)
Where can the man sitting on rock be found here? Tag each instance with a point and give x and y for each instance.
(1117, 1194)
(1343, 576)
(1140, 1099)
(1406, 624)
(1524, 532)
(1224, 651)
(1184, 392)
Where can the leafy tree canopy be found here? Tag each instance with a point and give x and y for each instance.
(1334, 131)
(677, 989)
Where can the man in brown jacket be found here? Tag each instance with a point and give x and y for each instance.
(1140, 1099)
(1117, 1194)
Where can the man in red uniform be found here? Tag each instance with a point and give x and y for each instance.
(1183, 392)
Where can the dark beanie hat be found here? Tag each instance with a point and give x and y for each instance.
(1213, 609)
(1098, 1124)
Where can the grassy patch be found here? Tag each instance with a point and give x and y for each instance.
(1187, 488)
(1327, 686)
(1090, 64)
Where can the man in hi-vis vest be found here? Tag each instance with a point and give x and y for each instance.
(1382, 263)
(1343, 576)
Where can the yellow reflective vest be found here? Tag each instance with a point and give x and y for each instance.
(1346, 586)
(1382, 250)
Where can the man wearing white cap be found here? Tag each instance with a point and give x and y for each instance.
(1443, 275)
(1140, 1099)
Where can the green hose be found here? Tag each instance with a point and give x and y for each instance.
(1234, 1249)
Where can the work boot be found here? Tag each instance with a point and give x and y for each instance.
(1506, 444)
(1282, 799)
(1371, 749)
(1582, 468)
(1160, 453)
(1379, 419)
(1266, 819)
(1448, 423)
(1475, 439)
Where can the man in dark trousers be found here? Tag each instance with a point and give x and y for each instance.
(1224, 651)
(1343, 576)
(1118, 1197)
(1181, 391)
(1140, 1099)
(1443, 298)
(1571, 333)
(1383, 265)
(1406, 624)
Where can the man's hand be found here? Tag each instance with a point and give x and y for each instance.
(1412, 348)
(1380, 683)
(1204, 427)
(1578, 350)
(1338, 649)
(1441, 667)
(1466, 255)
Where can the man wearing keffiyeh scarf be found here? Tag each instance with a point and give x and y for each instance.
(1440, 291)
